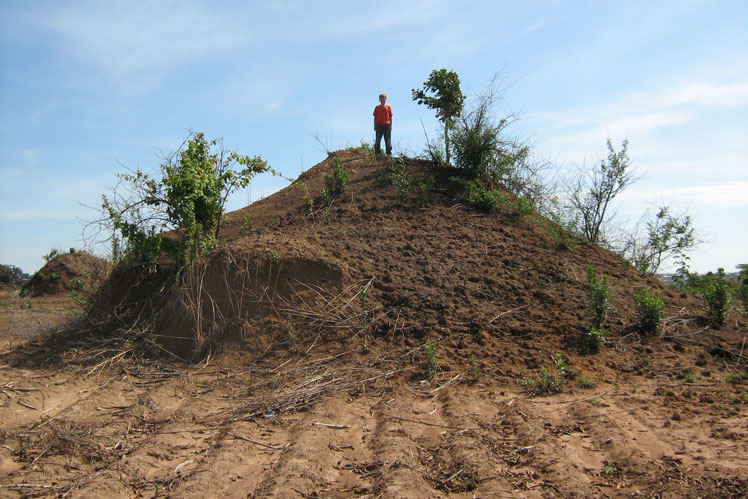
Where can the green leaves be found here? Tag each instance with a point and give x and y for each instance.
(188, 199)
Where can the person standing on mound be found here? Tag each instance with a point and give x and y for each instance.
(383, 125)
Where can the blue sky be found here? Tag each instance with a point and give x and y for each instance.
(88, 86)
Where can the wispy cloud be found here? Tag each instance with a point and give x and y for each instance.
(123, 38)
(716, 194)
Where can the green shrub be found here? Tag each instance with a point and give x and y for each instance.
(524, 206)
(717, 297)
(398, 177)
(188, 199)
(599, 296)
(585, 383)
(592, 339)
(432, 364)
(488, 200)
(649, 311)
(475, 371)
(546, 383)
(335, 185)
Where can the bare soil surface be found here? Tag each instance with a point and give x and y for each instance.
(329, 392)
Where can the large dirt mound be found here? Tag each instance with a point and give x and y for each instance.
(75, 271)
(324, 387)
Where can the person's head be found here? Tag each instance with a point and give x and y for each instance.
(382, 98)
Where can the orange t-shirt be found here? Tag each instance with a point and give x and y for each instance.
(383, 115)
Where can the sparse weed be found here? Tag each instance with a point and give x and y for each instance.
(4, 304)
(599, 295)
(738, 377)
(246, 225)
(687, 376)
(76, 297)
(545, 383)
(432, 364)
(475, 371)
(364, 298)
(524, 206)
(649, 311)
(398, 177)
(586, 383)
(597, 402)
(609, 468)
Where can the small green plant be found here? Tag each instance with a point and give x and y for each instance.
(543, 384)
(649, 311)
(364, 298)
(560, 364)
(599, 296)
(398, 177)
(743, 397)
(597, 402)
(52, 253)
(738, 377)
(609, 469)
(246, 225)
(524, 206)
(4, 304)
(585, 383)
(546, 383)
(717, 297)
(78, 285)
(432, 364)
(338, 183)
(77, 298)
(687, 376)
(474, 371)
(592, 339)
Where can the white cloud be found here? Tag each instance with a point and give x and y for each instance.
(130, 37)
(717, 194)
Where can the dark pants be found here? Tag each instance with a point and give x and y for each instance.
(387, 132)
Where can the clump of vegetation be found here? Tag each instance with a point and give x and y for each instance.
(546, 383)
(592, 339)
(524, 206)
(12, 275)
(363, 295)
(441, 92)
(667, 236)
(717, 297)
(188, 199)
(399, 178)
(591, 192)
(687, 376)
(739, 377)
(335, 185)
(599, 296)
(432, 364)
(474, 371)
(649, 311)
(586, 383)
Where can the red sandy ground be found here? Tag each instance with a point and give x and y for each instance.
(292, 410)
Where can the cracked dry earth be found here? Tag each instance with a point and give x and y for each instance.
(341, 414)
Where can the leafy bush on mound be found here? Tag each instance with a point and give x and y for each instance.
(649, 311)
(188, 199)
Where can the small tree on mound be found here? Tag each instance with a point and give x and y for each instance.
(590, 193)
(188, 199)
(446, 98)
